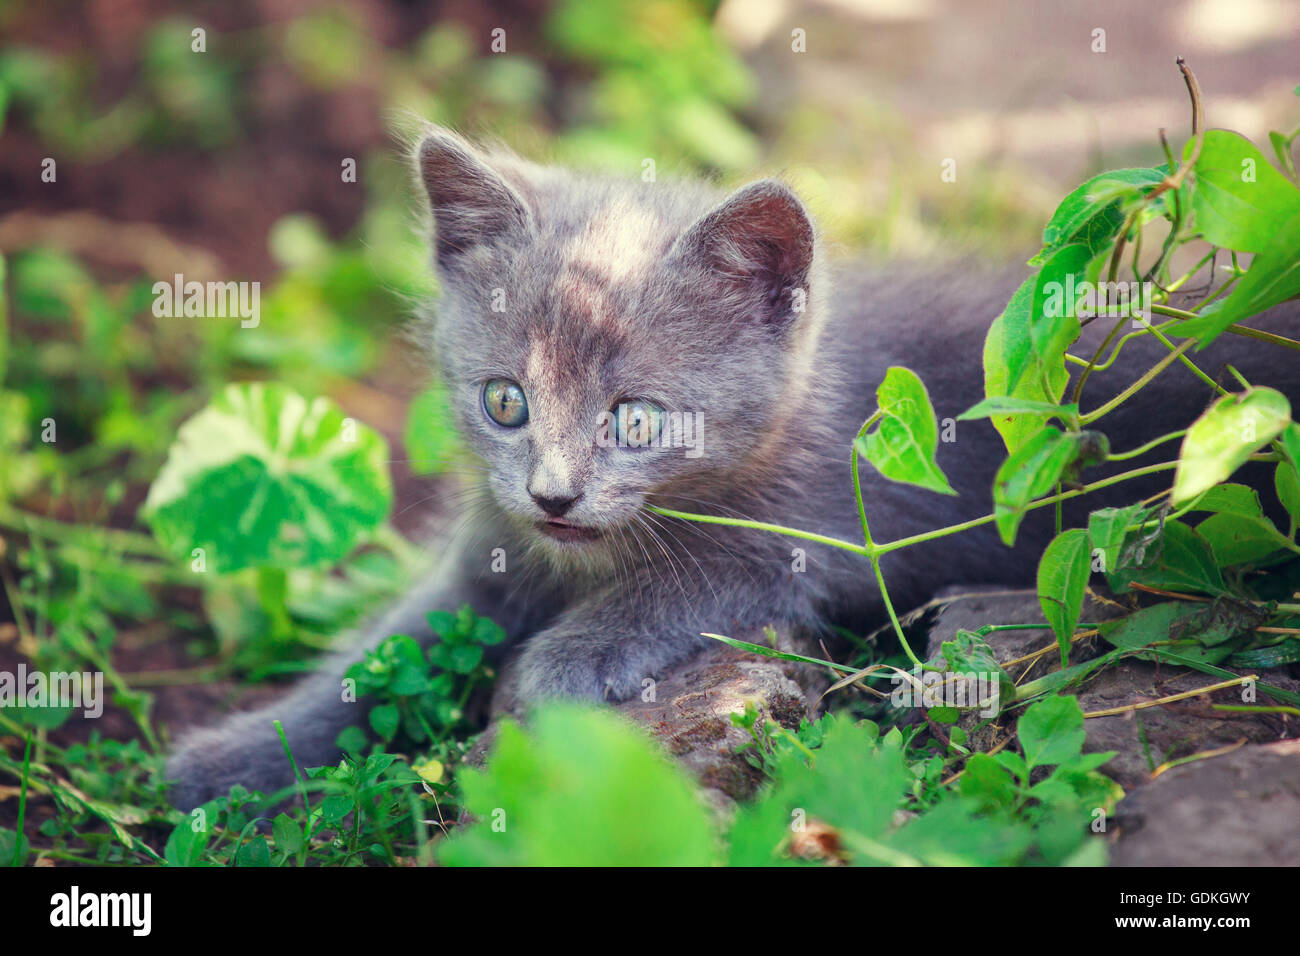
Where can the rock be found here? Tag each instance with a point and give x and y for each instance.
(970, 609)
(1239, 809)
(1142, 740)
(1145, 739)
(691, 713)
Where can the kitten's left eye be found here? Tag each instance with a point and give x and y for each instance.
(638, 423)
(504, 402)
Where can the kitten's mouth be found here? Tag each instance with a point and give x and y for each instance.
(562, 530)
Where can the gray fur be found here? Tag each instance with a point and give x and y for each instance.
(676, 293)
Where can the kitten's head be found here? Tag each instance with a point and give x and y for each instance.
(608, 341)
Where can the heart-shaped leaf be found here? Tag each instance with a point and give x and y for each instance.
(903, 443)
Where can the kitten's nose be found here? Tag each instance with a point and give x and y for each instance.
(555, 507)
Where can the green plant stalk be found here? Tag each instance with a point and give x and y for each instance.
(889, 609)
(1259, 709)
(1196, 369)
(1186, 276)
(127, 542)
(1235, 329)
(857, 483)
(1143, 449)
(22, 801)
(423, 852)
(302, 789)
(885, 548)
(1137, 386)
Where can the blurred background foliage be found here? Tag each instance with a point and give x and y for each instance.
(227, 164)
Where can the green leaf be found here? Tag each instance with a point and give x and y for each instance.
(1013, 762)
(969, 653)
(1278, 655)
(1062, 578)
(185, 846)
(1286, 481)
(352, 740)
(1054, 324)
(14, 848)
(443, 623)
(263, 478)
(254, 853)
(336, 806)
(1181, 632)
(487, 632)
(581, 787)
(1007, 351)
(955, 834)
(1230, 499)
(1290, 440)
(1220, 441)
(464, 658)
(1108, 528)
(1091, 213)
(1051, 731)
(1007, 405)
(855, 786)
(1240, 202)
(384, 720)
(903, 443)
(1282, 149)
(1000, 351)
(988, 782)
(1028, 473)
(1184, 562)
(1143, 627)
(1273, 277)
(1241, 539)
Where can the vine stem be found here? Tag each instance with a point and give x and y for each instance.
(1092, 363)
(1140, 384)
(1195, 369)
(883, 549)
(893, 617)
(1143, 449)
(857, 484)
(1235, 329)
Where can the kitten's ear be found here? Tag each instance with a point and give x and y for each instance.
(472, 203)
(757, 247)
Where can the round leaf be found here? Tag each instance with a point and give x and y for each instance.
(264, 478)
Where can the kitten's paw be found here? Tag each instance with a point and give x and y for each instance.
(555, 668)
(208, 762)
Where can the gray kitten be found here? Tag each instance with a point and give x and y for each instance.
(610, 344)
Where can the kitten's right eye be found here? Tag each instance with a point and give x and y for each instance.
(504, 402)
